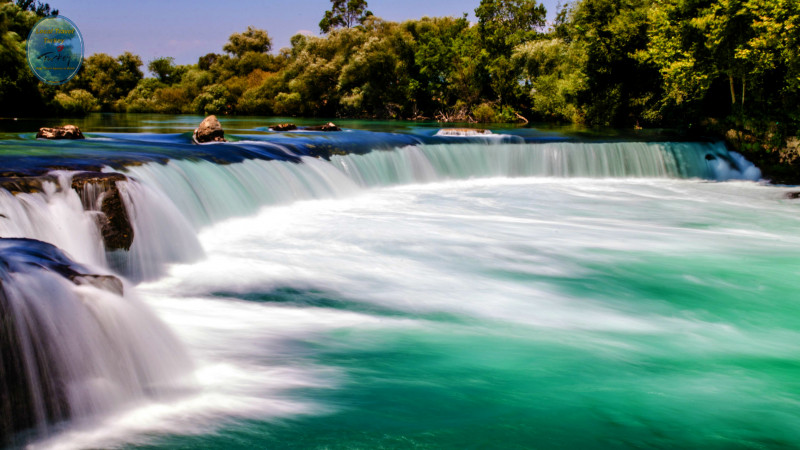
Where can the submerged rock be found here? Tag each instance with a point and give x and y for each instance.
(792, 195)
(108, 283)
(65, 132)
(99, 192)
(330, 126)
(210, 130)
(283, 127)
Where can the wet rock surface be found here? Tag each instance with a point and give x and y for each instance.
(283, 127)
(209, 130)
(65, 132)
(99, 192)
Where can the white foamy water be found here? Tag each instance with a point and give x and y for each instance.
(256, 266)
(495, 254)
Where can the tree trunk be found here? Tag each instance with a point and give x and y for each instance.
(744, 80)
(733, 92)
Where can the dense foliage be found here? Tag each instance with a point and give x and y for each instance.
(623, 63)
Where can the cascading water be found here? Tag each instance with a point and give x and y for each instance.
(72, 345)
(206, 193)
(105, 350)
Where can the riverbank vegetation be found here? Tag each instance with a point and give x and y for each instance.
(704, 65)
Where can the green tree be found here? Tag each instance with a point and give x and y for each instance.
(20, 91)
(554, 75)
(621, 89)
(502, 25)
(76, 102)
(165, 70)
(37, 7)
(214, 99)
(344, 14)
(109, 79)
(252, 40)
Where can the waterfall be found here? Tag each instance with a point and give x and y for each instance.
(73, 349)
(168, 203)
(206, 193)
(435, 162)
(72, 345)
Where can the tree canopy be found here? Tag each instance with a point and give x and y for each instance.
(344, 14)
(621, 63)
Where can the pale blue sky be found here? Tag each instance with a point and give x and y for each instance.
(187, 29)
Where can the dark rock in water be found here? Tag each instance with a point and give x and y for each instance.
(99, 192)
(210, 130)
(792, 195)
(463, 132)
(710, 157)
(108, 283)
(65, 132)
(25, 184)
(283, 127)
(330, 126)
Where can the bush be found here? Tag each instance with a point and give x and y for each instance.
(77, 102)
(214, 99)
(289, 104)
(484, 113)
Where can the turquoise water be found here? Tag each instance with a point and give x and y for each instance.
(503, 314)
(480, 294)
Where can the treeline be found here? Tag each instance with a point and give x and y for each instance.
(622, 63)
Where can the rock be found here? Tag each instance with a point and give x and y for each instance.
(99, 192)
(65, 132)
(792, 195)
(283, 127)
(330, 126)
(108, 283)
(463, 132)
(25, 184)
(209, 130)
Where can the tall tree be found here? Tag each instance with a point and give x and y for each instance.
(109, 79)
(621, 90)
(502, 25)
(252, 40)
(164, 69)
(344, 14)
(37, 7)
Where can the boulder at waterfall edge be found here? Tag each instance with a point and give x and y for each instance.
(99, 192)
(65, 132)
(210, 130)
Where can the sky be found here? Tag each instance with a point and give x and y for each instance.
(187, 29)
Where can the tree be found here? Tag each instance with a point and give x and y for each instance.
(344, 14)
(109, 79)
(504, 24)
(621, 89)
(164, 69)
(38, 8)
(252, 40)
(554, 75)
